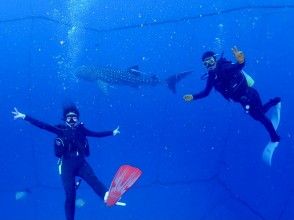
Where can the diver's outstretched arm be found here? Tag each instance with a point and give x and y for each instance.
(18, 114)
(102, 133)
(36, 122)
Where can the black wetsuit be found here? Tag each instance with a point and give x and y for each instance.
(73, 161)
(228, 79)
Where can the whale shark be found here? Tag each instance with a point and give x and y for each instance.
(131, 77)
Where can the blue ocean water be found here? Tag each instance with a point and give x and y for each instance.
(200, 161)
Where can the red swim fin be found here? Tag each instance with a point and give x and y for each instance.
(124, 178)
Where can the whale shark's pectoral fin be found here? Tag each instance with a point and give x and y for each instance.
(103, 86)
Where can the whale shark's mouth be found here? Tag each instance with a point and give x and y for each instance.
(86, 73)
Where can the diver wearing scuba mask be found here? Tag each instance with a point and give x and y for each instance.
(71, 119)
(210, 62)
(72, 148)
(229, 80)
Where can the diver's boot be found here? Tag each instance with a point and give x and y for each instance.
(106, 196)
(271, 103)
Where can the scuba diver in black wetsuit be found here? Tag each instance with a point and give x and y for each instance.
(229, 79)
(71, 147)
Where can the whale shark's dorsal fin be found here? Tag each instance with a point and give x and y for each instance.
(135, 70)
(136, 67)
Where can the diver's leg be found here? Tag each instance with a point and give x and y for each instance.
(68, 180)
(268, 125)
(256, 110)
(87, 173)
(271, 103)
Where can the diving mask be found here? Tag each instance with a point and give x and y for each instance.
(209, 62)
(71, 118)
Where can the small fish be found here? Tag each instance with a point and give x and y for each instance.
(80, 203)
(20, 195)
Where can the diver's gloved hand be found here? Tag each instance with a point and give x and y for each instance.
(18, 114)
(188, 97)
(239, 55)
(116, 131)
